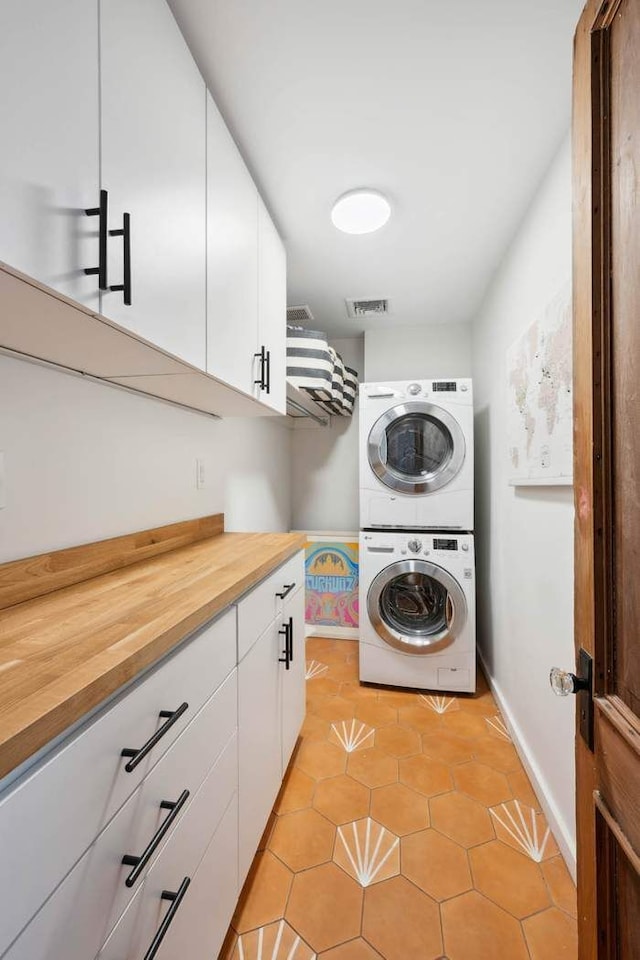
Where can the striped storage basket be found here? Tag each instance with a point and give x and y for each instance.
(309, 360)
(350, 390)
(333, 402)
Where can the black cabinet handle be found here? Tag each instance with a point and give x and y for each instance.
(125, 233)
(285, 633)
(288, 587)
(176, 899)
(290, 639)
(139, 863)
(138, 755)
(264, 381)
(100, 212)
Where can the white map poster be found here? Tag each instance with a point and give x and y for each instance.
(539, 398)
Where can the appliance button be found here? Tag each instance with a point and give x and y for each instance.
(463, 387)
(427, 552)
(465, 547)
(414, 389)
(415, 546)
(403, 552)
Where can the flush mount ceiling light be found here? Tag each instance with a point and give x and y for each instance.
(360, 211)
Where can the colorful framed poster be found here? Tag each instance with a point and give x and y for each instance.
(331, 580)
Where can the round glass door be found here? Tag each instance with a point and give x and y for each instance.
(416, 448)
(416, 606)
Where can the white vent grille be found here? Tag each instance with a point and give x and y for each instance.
(367, 308)
(300, 314)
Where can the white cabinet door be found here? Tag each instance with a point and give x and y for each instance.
(272, 308)
(49, 164)
(258, 739)
(293, 689)
(232, 259)
(153, 142)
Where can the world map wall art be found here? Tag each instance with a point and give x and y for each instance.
(540, 398)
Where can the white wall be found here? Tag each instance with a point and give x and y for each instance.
(85, 461)
(324, 464)
(417, 353)
(525, 535)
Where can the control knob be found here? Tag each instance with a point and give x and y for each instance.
(415, 546)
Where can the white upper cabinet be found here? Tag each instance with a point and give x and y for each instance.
(49, 118)
(232, 259)
(153, 166)
(272, 309)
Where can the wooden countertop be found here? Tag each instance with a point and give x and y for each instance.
(63, 653)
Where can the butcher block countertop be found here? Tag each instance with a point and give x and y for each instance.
(65, 651)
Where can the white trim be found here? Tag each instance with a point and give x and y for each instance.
(332, 633)
(559, 828)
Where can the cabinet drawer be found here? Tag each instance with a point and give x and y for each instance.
(180, 858)
(259, 607)
(76, 919)
(52, 815)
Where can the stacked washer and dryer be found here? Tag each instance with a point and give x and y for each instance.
(417, 572)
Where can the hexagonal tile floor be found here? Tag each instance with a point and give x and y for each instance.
(406, 825)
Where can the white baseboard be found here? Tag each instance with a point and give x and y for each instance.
(558, 827)
(334, 633)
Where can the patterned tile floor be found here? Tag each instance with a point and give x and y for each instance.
(406, 827)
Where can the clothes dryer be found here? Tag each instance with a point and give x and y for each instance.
(417, 610)
(416, 455)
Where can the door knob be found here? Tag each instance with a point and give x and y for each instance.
(563, 683)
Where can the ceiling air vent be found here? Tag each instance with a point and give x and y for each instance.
(366, 308)
(299, 314)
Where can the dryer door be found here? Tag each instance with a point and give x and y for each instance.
(416, 447)
(416, 606)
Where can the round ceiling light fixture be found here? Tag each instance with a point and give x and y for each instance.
(360, 211)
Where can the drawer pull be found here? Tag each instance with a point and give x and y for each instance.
(138, 755)
(125, 233)
(290, 639)
(176, 899)
(288, 587)
(139, 863)
(286, 659)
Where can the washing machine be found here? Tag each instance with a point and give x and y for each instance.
(417, 610)
(416, 455)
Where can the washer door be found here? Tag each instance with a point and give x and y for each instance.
(416, 447)
(416, 606)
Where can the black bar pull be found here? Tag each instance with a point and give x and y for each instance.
(138, 755)
(290, 639)
(285, 633)
(268, 366)
(288, 587)
(101, 212)
(175, 898)
(139, 863)
(262, 381)
(125, 233)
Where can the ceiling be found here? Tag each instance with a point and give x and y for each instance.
(453, 110)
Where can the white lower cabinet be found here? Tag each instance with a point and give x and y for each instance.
(192, 816)
(271, 703)
(260, 766)
(293, 699)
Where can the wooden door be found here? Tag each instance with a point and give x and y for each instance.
(606, 141)
(153, 165)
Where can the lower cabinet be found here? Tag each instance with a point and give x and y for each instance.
(271, 704)
(154, 873)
